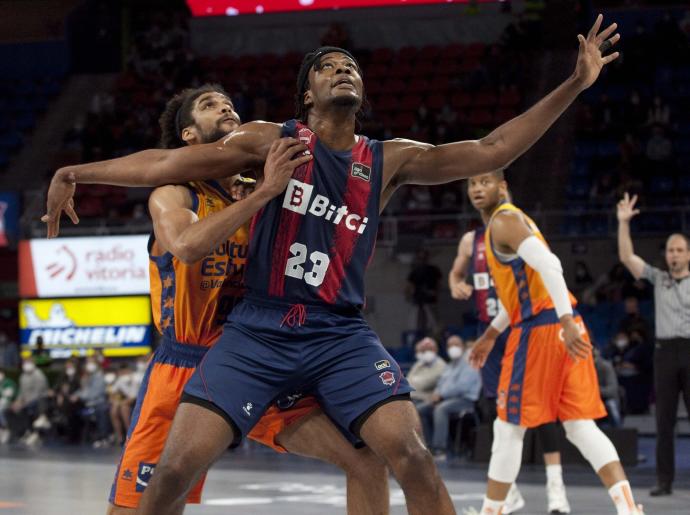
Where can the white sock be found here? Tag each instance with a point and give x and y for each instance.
(554, 474)
(622, 497)
(491, 507)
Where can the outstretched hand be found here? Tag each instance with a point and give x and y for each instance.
(589, 58)
(625, 209)
(60, 198)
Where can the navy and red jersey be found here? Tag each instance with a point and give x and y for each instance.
(485, 298)
(313, 243)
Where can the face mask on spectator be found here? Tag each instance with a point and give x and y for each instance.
(141, 366)
(621, 343)
(28, 367)
(428, 356)
(418, 356)
(91, 367)
(70, 371)
(110, 378)
(454, 352)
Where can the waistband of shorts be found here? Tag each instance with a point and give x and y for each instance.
(544, 317)
(285, 303)
(188, 353)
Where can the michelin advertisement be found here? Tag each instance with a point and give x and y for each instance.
(83, 294)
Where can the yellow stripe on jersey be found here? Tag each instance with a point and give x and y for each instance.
(518, 286)
(190, 302)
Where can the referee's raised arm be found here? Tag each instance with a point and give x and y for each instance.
(625, 211)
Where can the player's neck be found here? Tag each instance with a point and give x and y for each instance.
(335, 130)
(487, 213)
(679, 274)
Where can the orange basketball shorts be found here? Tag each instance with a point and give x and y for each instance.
(539, 381)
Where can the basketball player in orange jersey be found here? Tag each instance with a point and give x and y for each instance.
(197, 258)
(547, 371)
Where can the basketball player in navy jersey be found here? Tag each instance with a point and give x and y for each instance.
(300, 323)
(469, 278)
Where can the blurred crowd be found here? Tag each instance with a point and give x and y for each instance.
(88, 400)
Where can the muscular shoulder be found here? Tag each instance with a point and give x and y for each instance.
(508, 224)
(254, 137)
(169, 197)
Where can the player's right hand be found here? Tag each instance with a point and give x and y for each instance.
(461, 291)
(60, 198)
(285, 155)
(481, 350)
(625, 209)
(576, 345)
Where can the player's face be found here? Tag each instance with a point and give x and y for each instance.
(485, 191)
(214, 117)
(336, 81)
(677, 254)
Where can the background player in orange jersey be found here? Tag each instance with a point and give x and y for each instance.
(547, 372)
(197, 260)
(469, 279)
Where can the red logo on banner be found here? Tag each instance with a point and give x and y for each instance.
(68, 265)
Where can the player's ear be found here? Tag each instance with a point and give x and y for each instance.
(189, 134)
(308, 98)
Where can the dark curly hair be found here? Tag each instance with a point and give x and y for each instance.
(178, 114)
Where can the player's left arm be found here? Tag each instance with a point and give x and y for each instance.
(511, 233)
(412, 162)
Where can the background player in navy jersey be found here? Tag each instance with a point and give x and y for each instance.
(469, 278)
(300, 320)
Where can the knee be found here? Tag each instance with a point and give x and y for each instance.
(174, 473)
(367, 467)
(411, 457)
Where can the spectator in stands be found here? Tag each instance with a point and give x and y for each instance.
(659, 148)
(603, 190)
(10, 352)
(8, 391)
(608, 388)
(426, 371)
(123, 395)
(422, 290)
(635, 373)
(633, 319)
(583, 281)
(67, 404)
(92, 394)
(659, 112)
(635, 112)
(30, 403)
(336, 35)
(41, 355)
(456, 393)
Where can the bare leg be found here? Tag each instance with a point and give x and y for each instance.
(394, 433)
(126, 413)
(315, 436)
(188, 453)
(116, 421)
(611, 473)
(119, 510)
(552, 458)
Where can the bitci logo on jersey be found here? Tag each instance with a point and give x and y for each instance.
(298, 198)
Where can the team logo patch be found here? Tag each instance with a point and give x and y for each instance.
(247, 408)
(384, 363)
(501, 401)
(127, 475)
(144, 475)
(361, 171)
(387, 377)
(287, 402)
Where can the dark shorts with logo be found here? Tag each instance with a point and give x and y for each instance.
(333, 355)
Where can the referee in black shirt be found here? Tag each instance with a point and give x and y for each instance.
(672, 349)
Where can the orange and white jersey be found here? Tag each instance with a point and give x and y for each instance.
(518, 286)
(191, 302)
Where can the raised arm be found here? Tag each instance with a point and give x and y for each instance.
(457, 276)
(179, 230)
(625, 211)
(417, 163)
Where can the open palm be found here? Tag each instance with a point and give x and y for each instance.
(625, 209)
(589, 58)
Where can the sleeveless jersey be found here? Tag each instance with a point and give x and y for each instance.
(484, 293)
(518, 286)
(313, 243)
(191, 302)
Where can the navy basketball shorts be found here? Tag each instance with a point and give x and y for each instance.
(271, 348)
(491, 371)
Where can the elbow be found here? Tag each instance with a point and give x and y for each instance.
(187, 253)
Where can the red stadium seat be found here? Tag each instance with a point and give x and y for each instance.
(484, 99)
(480, 118)
(404, 121)
(436, 102)
(382, 55)
(461, 100)
(410, 103)
(418, 85)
